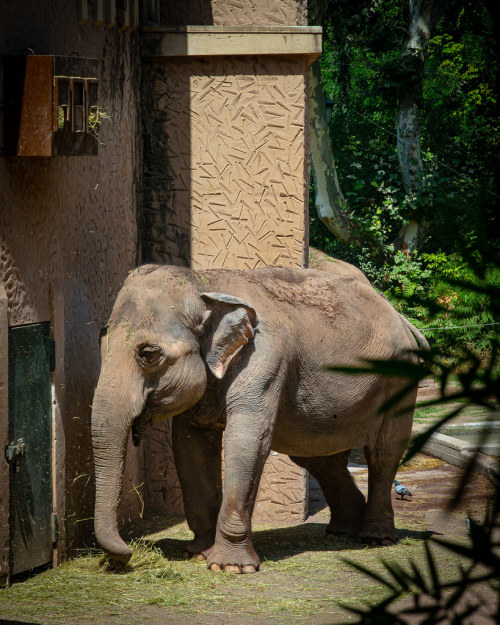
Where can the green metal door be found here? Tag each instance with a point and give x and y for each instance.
(29, 452)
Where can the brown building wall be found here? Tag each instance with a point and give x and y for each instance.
(225, 186)
(225, 183)
(68, 237)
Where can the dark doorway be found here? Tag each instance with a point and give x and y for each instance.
(29, 451)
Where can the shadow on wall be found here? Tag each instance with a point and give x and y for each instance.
(165, 227)
(194, 12)
(165, 222)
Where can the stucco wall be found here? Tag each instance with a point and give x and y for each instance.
(68, 237)
(225, 186)
(235, 12)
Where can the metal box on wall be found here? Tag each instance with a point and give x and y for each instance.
(51, 106)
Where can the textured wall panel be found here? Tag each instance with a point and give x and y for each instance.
(231, 193)
(226, 186)
(163, 491)
(247, 141)
(235, 12)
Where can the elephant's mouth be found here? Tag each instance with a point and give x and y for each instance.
(141, 423)
(139, 426)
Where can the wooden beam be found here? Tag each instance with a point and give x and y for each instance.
(135, 13)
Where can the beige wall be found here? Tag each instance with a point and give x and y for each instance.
(226, 185)
(231, 189)
(235, 12)
(68, 236)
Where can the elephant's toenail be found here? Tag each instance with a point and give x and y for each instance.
(215, 567)
(232, 568)
(248, 568)
(199, 557)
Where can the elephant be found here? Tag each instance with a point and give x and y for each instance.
(245, 353)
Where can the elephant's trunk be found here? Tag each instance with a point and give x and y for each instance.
(109, 440)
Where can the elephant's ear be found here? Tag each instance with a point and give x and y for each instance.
(228, 325)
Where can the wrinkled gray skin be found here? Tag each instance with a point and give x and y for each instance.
(244, 352)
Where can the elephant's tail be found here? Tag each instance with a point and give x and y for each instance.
(422, 342)
(420, 339)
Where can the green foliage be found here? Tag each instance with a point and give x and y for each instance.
(365, 73)
(434, 291)
(453, 282)
(406, 276)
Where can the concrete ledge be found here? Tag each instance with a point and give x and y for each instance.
(459, 453)
(161, 42)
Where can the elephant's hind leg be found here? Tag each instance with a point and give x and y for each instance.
(383, 453)
(197, 456)
(346, 501)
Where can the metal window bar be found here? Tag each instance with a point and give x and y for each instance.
(79, 117)
(111, 21)
(83, 11)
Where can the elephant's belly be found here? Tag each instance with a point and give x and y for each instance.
(321, 442)
(328, 427)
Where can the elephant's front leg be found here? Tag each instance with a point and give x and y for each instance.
(247, 443)
(197, 456)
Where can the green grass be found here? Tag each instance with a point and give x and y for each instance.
(304, 576)
(429, 414)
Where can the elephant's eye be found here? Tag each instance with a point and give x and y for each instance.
(150, 356)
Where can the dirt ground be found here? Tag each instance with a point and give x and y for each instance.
(304, 580)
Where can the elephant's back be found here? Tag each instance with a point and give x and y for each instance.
(324, 311)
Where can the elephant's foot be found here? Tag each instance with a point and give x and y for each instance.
(233, 559)
(344, 527)
(198, 549)
(376, 535)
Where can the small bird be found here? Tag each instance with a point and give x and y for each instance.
(401, 490)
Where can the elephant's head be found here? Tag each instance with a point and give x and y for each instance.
(164, 335)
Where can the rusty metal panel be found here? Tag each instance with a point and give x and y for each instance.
(35, 132)
(4, 439)
(28, 105)
(46, 106)
(29, 451)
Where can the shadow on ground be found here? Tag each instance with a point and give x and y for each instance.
(273, 544)
(6, 622)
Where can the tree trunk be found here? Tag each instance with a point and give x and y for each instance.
(423, 17)
(330, 202)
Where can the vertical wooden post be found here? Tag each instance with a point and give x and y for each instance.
(111, 21)
(99, 18)
(83, 11)
(135, 13)
(125, 14)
